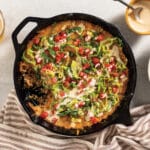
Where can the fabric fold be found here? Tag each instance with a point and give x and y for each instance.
(18, 132)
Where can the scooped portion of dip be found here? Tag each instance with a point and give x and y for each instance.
(75, 73)
(141, 26)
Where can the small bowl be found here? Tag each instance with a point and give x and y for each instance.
(2, 24)
(135, 26)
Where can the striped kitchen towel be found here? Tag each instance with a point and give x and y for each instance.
(17, 132)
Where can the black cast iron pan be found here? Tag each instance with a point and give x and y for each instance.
(121, 115)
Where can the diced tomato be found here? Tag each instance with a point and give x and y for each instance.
(59, 57)
(36, 40)
(94, 120)
(53, 111)
(68, 79)
(111, 66)
(102, 95)
(62, 55)
(100, 38)
(107, 65)
(44, 115)
(89, 81)
(62, 93)
(81, 74)
(81, 104)
(57, 38)
(55, 106)
(46, 52)
(63, 35)
(82, 86)
(87, 51)
(114, 74)
(66, 83)
(54, 120)
(95, 60)
(86, 66)
(125, 72)
(76, 42)
(56, 48)
(53, 80)
(47, 67)
(115, 89)
(81, 50)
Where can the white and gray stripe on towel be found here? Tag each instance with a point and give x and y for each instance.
(17, 132)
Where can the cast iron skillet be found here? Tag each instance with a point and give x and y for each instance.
(121, 115)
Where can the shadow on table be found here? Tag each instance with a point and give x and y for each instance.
(142, 94)
(130, 36)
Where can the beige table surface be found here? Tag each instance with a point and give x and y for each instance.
(16, 10)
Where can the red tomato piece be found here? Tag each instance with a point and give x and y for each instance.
(81, 104)
(47, 67)
(102, 95)
(57, 38)
(66, 83)
(62, 93)
(53, 80)
(86, 66)
(87, 51)
(36, 40)
(54, 120)
(44, 115)
(46, 52)
(114, 74)
(76, 42)
(56, 48)
(55, 106)
(62, 55)
(59, 57)
(63, 35)
(100, 38)
(68, 79)
(115, 89)
(81, 50)
(95, 60)
(81, 74)
(107, 65)
(94, 120)
(111, 66)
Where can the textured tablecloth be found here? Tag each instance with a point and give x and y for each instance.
(17, 132)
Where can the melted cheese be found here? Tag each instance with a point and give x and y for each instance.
(115, 52)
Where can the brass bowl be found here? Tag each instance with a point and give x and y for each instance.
(133, 25)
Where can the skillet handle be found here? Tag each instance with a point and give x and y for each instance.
(16, 44)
